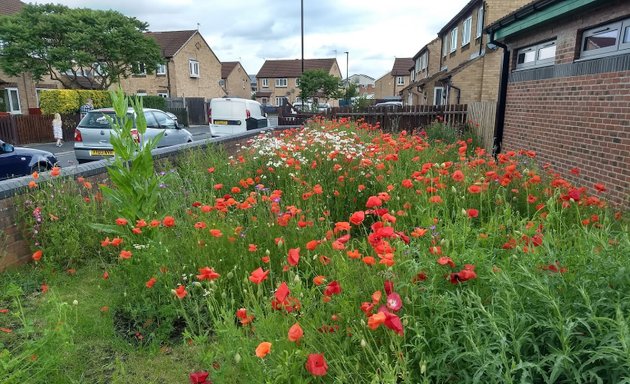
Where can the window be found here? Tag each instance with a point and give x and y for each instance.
(38, 95)
(280, 101)
(264, 101)
(12, 97)
(480, 21)
(607, 39)
(466, 28)
(222, 82)
(138, 69)
(163, 94)
(444, 45)
(536, 55)
(193, 66)
(400, 80)
(265, 83)
(454, 40)
(161, 70)
(281, 83)
(438, 96)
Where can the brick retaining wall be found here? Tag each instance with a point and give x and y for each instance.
(15, 249)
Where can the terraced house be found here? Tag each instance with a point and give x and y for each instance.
(191, 68)
(390, 85)
(458, 67)
(277, 80)
(235, 81)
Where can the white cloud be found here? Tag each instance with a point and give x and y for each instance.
(250, 31)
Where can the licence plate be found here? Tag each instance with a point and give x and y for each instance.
(101, 152)
(220, 122)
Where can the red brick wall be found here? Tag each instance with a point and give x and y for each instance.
(576, 122)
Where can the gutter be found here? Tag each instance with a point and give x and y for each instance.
(499, 123)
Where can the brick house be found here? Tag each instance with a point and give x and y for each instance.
(19, 94)
(466, 71)
(191, 68)
(365, 84)
(277, 79)
(235, 80)
(567, 87)
(392, 83)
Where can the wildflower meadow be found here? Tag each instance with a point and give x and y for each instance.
(333, 253)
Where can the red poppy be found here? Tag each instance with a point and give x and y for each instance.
(121, 221)
(168, 221)
(180, 292)
(293, 258)
(124, 254)
(474, 189)
(319, 280)
(446, 260)
(282, 292)
(457, 176)
(373, 201)
(357, 217)
(472, 213)
(295, 332)
(258, 276)
(199, 378)
(37, 255)
(394, 302)
(149, 284)
(333, 288)
(207, 274)
(263, 349)
(388, 285)
(600, 187)
(316, 364)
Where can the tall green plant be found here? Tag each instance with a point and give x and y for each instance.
(135, 182)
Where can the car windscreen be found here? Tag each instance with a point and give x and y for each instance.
(98, 119)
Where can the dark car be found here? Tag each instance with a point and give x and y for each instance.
(20, 161)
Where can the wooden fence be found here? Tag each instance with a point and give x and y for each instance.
(27, 129)
(389, 118)
(482, 116)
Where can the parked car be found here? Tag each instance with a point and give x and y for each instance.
(20, 161)
(389, 104)
(229, 116)
(91, 137)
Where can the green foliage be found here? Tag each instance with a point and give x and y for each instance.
(317, 81)
(156, 102)
(66, 101)
(347, 93)
(51, 40)
(361, 103)
(136, 184)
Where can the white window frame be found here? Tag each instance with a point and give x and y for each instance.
(424, 61)
(163, 94)
(466, 30)
(400, 80)
(38, 92)
(141, 94)
(282, 83)
(453, 39)
(264, 83)
(279, 100)
(479, 21)
(441, 101)
(193, 67)
(618, 48)
(142, 69)
(537, 62)
(445, 45)
(12, 109)
(160, 70)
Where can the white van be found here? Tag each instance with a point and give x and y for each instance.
(229, 116)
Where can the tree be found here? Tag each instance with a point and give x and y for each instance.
(81, 48)
(318, 82)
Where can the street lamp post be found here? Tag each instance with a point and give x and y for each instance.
(347, 79)
(302, 30)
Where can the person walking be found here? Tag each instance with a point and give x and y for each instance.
(87, 107)
(57, 132)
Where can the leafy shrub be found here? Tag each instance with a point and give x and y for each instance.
(67, 101)
(156, 102)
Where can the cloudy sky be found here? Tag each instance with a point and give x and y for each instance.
(252, 31)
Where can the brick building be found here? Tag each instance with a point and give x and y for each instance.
(191, 68)
(277, 79)
(457, 67)
(235, 80)
(390, 85)
(567, 91)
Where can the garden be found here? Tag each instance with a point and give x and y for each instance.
(335, 253)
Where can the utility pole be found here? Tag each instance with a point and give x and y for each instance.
(302, 25)
(347, 78)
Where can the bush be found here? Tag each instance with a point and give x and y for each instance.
(68, 101)
(156, 102)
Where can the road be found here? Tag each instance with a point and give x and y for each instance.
(65, 153)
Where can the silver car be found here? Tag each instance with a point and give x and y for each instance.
(91, 137)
